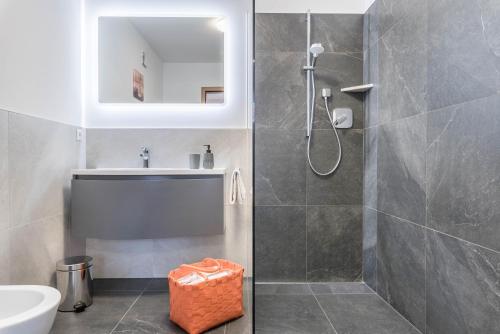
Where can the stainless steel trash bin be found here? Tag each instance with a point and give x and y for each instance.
(74, 282)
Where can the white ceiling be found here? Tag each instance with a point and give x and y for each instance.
(182, 39)
(316, 6)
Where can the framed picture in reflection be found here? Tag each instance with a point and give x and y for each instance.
(138, 85)
(212, 95)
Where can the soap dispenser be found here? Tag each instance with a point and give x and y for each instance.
(208, 158)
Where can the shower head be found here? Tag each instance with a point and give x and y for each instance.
(316, 49)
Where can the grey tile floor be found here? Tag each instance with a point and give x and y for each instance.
(136, 306)
(324, 308)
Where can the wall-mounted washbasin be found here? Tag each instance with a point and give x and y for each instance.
(148, 171)
(27, 309)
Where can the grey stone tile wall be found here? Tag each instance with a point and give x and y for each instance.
(432, 144)
(335, 250)
(401, 266)
(345, 185)
(280, 243)
(35, 173)
(370, 247)
(308, 228)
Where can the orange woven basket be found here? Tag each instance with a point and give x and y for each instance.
(201, 306)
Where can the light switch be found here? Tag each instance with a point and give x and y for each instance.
(79, 135)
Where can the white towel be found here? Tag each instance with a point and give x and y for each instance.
(238, 191)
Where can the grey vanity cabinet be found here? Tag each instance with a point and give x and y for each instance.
(146, 207)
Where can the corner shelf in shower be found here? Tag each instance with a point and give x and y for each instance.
(357, 89)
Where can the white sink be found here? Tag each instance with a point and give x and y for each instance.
(148, 171)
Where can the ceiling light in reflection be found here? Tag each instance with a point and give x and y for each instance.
(220, 24)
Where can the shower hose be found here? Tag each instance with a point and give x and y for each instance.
(333, 122)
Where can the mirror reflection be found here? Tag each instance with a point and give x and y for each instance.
(161, 60)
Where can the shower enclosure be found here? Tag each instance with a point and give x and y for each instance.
(307, 224)
(308, 201)
(426, 256)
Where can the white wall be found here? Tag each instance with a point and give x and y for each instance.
(182, 82)
(40, 59)
(316, 6)
(120, 52)
(237, 39)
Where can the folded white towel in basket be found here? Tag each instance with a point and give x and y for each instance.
(238, 191)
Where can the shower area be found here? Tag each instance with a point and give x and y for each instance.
(308, 211)
(308, 227)
(309, 165)
(403, 235)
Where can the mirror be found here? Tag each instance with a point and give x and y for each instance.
(161, 60)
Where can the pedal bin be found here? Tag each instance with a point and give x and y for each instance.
(74, 282)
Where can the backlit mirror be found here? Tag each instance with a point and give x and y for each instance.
(161, 60)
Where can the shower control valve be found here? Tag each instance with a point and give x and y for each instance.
(343, 117)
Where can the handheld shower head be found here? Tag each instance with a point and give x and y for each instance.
(316, 49)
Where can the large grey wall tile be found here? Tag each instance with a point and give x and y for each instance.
(280, 32)
(156, 258)
(363, 314)
(401, 267)
(4, 257)
(170, 253)
(335, 71)
(35, 249)
(121, 258)
(370, 26)
(463, 292)
(401, 169)
(280, 90)
(41, 156)
(384, 14)
(334, 243)
(463, 171)
(108, 148)
(170, 148)
(370, 168)
(370, 247)
(338, 32)
(112, 148)
(402, 86)
(4, 171)
(440, 168)
(371, 76)
(345, 185)
(280, 167)
(280, 247)
(464, 63)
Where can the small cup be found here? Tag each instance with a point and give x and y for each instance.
(194, 161)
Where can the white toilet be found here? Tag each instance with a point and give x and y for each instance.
(27, 309)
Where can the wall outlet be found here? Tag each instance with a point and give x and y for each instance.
(79, 135)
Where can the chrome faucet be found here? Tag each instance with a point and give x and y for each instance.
(145, 157)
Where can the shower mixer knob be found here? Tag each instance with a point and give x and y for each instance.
(326, 92)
